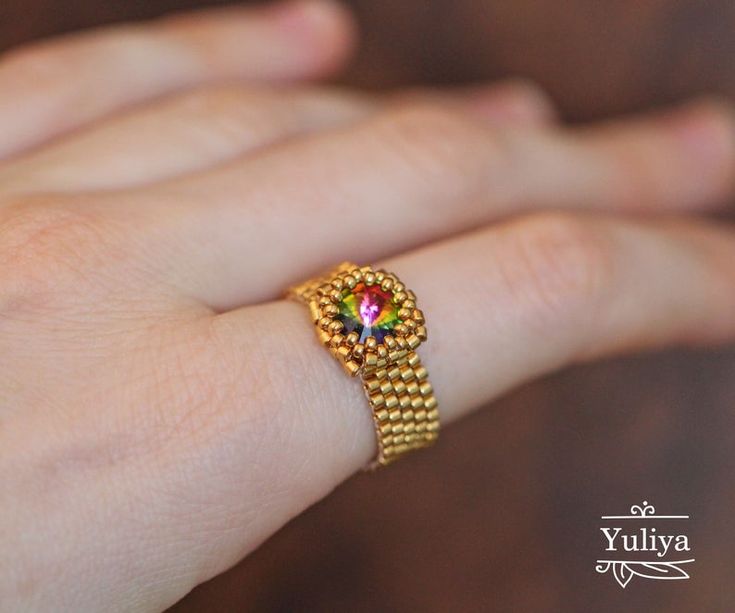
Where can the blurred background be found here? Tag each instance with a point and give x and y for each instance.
(503, 515)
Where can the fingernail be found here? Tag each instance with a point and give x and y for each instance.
(517, 101)
(304, 17)
(707, 131)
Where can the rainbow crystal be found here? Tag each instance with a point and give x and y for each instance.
(368, 311)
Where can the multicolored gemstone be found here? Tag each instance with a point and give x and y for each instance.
(368, 310)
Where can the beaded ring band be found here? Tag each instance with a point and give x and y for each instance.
(369, 321)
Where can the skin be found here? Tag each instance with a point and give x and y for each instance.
(162, 409)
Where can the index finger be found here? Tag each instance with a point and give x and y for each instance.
(53, 87)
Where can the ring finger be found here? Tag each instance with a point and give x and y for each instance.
(503, 305)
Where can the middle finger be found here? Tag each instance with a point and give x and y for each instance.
(410, 176)
(196, 130)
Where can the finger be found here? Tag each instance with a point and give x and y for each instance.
(189, 132)
(502, 306)
(409, 177)
(517, 102)
(53, 87)
(196, 130)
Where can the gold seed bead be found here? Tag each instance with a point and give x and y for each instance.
(410, 324)
(420, 415)
(421, 373)
(382, 352)
(314, 311)
(352, 367)
(370, 278)
(412, 388)
(336, 340)
(404, 314)
(413, 359)
(391, 401)
(335, 326)
(386, 386)
(324, 301)
(399, 297)
(399, 288)
(418, 315)
(417, 402)
(389, 342)
(335, 295)
(330, 309)
(379, 276)
(358, 350)
(399, 386)
(325, 322)
(352, 338)
(378, 400)
(425, 388)
(386, 285)
(371, 343)
(421, 332)
(404, 401)
(413, 341)
(409, 304)
(338, 284)
(371, 360)
(350, 281)
(400, 330)
(430, 402)
(394, 373)
(357, 275)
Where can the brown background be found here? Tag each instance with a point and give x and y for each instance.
(503, 514)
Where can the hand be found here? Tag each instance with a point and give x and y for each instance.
(162, 410)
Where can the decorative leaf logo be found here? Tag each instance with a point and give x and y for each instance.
(623, 574)
(662, 570)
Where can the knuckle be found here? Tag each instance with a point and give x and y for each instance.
(44, 244)
(561, 266)
(434, 138)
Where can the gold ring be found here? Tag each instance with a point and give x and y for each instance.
(369, 321)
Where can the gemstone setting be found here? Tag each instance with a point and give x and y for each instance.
(368, 310)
